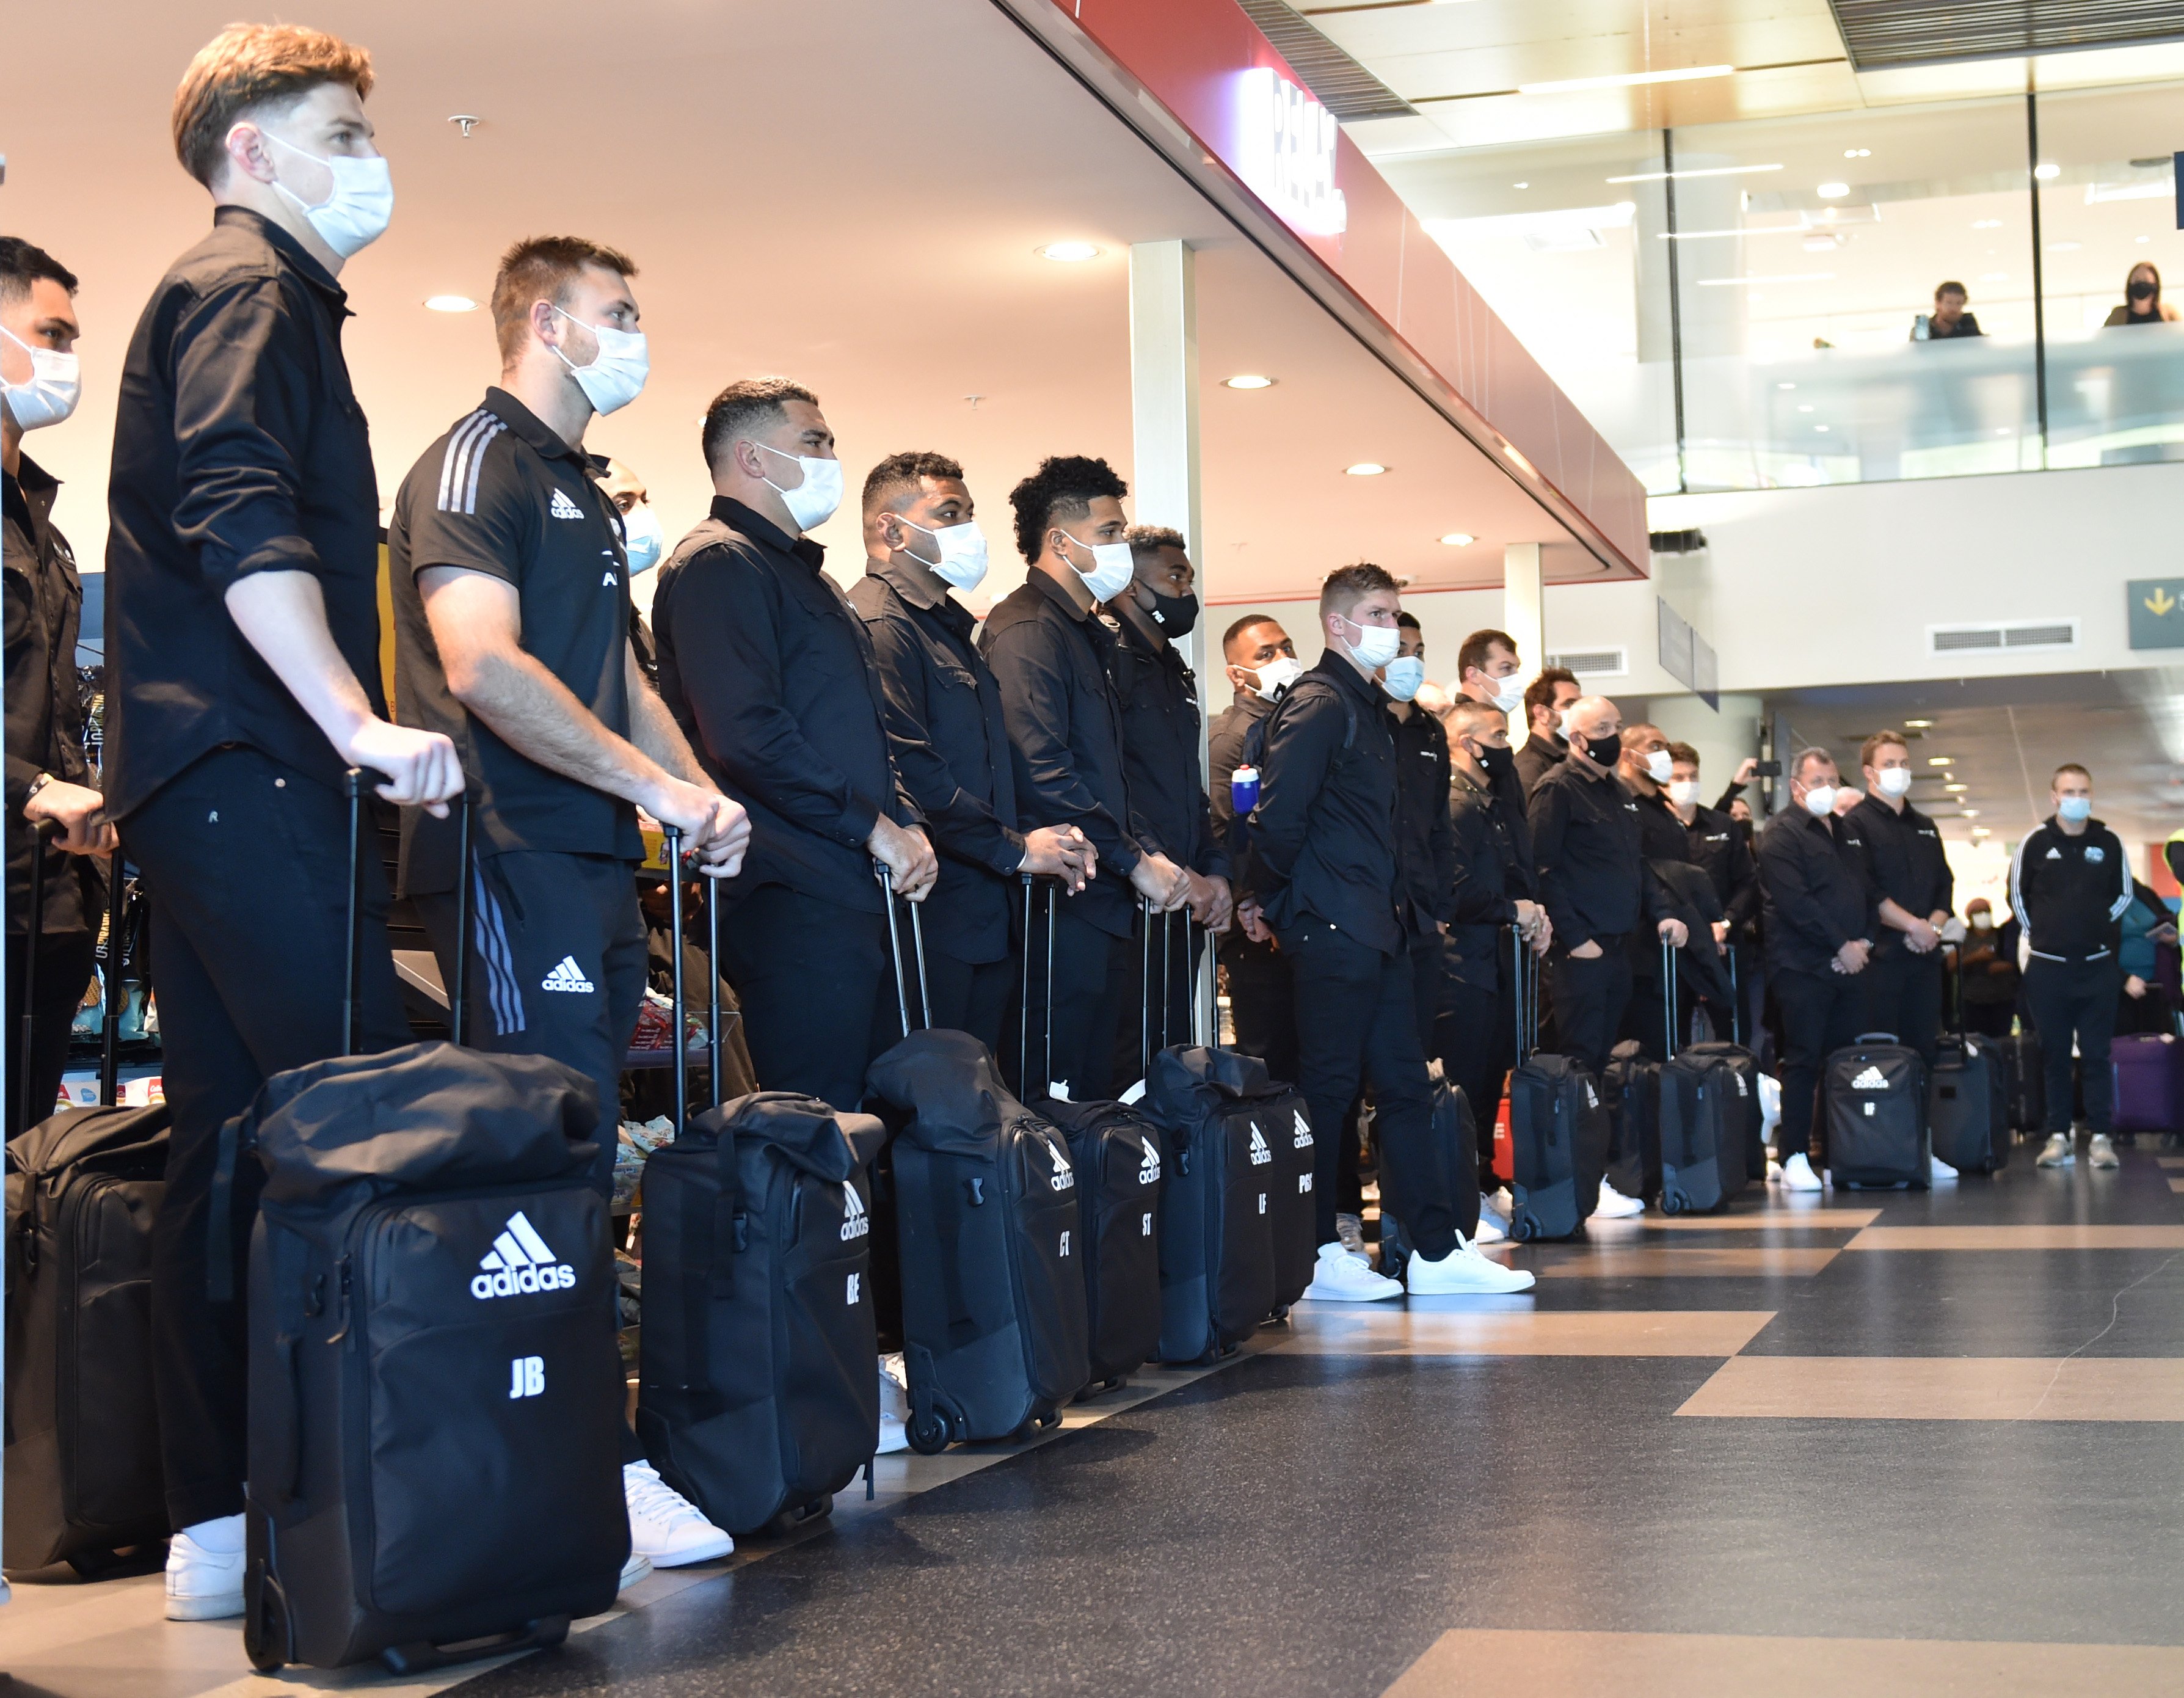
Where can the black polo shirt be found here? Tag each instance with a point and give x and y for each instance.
(1589, 846)
(1425, 841)
(1066, 735)
(502, 494)
(1905, 863)
(1812, 873)
(238, 448)
(44, 601)
(1160, 749)
(951, 747)
(770, 673)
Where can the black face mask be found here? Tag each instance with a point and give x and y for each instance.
(1605, 751)
(2142, 291)
(1175, 614)
(1495, 761)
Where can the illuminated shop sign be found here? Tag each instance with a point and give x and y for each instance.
(1285, 151)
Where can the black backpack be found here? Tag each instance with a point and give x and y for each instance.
(757, 1399)
(991, 1240)
(435, 1382)
(1219, 1269)
(83, 1469)
(1874, 1095)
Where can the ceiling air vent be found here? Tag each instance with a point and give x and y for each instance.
(1340, 84)
(1594, 663)
(2000, 639)
(1905, 32)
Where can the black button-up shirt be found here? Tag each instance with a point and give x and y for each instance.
(770, 673)
(1811, 874)
(1539, 757)
(1066, 735)
(45, 701)
(1323, 835)
(238, 448)
(503, 495)
(1661, 839)
(951, 749)
(1159, 698)
(1717, 844)
(1483, 896)
(1903, 862)
(1425, 842)
(1587, 844)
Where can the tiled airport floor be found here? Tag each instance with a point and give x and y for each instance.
(1881, 1443)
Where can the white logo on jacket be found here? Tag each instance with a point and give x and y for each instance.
(567, 977)
(520, 1261)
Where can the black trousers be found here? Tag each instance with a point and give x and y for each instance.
(1476, 1036)
(968, 996)
(66, 960)
(2068, 999)
(1357, 1025)
(1903, 995)
(817, 987)
(1428, 967)
(246, 865)
(1589, 998)
(1261, 1003)
(1820, 1013)
(1090, 972)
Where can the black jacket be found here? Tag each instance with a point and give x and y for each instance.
(1904, 863)
(771, 676)
(1224, 752)
(944, 719)
(1661, 840)
(45, 700)
(1812, 875)
(1324, 834)
(1482, 893)
(238, 448)
(2071, 892)
(1537, 759)
(1715, 844)
(1066, 735)
(1425, 842)
(1159, 699)
(1587, 844)
(1511, 791)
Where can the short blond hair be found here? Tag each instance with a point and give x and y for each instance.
(247, 66)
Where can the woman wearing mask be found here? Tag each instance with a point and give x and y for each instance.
(2142, 304)
(1987, 969)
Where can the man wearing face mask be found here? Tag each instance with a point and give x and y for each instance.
(1049, 652)
(1326, 867)
(1820, 925)
(1547, 699)
(922, 548)
(49, 776)
(1722, 846)
(1918, 894)
(772, 675)
(1159, 698)
(1260, 663)
(644, 542)
(242, 678)
(1588, 846)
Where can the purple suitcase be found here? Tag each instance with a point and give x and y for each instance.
(2148, 1070)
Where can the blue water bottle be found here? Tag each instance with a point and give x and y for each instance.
(1244, 788)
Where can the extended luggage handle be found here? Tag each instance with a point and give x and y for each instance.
(1023, 1000)
(1735, 1000)
(1668, 1001)
(1525, 992)
(886, 877)
(41, 833)
(1145, 982)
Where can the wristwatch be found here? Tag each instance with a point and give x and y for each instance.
(37, 784)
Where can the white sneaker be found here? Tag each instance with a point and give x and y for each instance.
(1798, 1175)
(638, 1567)
(1774, 1171)
(204, 1571)
(1491, 1230)
(665, 1527)
(1463, 1270)
(1350, 1229)
(1503, 1205)
(2103, 1153)
(894, 1405)
(2058, 1152)
(1938, 1172)
(1613, 1205)
(1340, 1278)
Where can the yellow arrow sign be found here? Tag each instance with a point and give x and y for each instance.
(2160, 604)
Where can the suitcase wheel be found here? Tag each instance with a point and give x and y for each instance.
(1673, 1202)
(927, 1432)
(265, 1622)
(1523, 1228)
(1281, 1315)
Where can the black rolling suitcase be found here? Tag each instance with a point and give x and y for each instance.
(756, 1394)
(1708, 1110)
(1631, 1088)
(1454, 1152)
(1559, 1125)
(2024, 1077)
(82, 1461)
(1217, 1266)
(435, 1383)
(1873, 1098)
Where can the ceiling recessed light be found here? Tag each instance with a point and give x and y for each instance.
(1630, 79)
(1068, 253)
(1833, 191)
(1918, 725)
(450, 304)
(2141, 239)
(1365, 468)
(1459, 539)
(1986, 224)
(1956, 789)
(1823, 429)
(1971, 813)
(1857, 153)
(1804, 406)
(1939, 760)
(1709, 171)
(1247, 380)
(1786, 386)
(2047, 173)
(1981, 832)
(1520, 185)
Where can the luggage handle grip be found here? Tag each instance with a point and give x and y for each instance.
(1877, 1037)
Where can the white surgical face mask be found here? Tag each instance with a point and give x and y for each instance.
(2076, 808)
(50, 395)
(962, 562)
(1376, 645)
(1893, 781)
(617, 371)
(1277, 675)
(643, 539)
(1508, 694)
(1406, 672)
(1660, 766)
(1112, 567)
(355, 214)
(1820, 800)
(1683, 792)
(812, 502)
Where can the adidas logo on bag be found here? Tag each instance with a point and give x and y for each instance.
(562, 508)
(1148, 1169)
(567, 977)
(1064, 1177)
(1301, 1138)
(1260, 1154)
(856, 1222)
(1869, 1080)
(520, 1261)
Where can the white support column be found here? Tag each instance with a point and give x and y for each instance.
(1524, 617)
